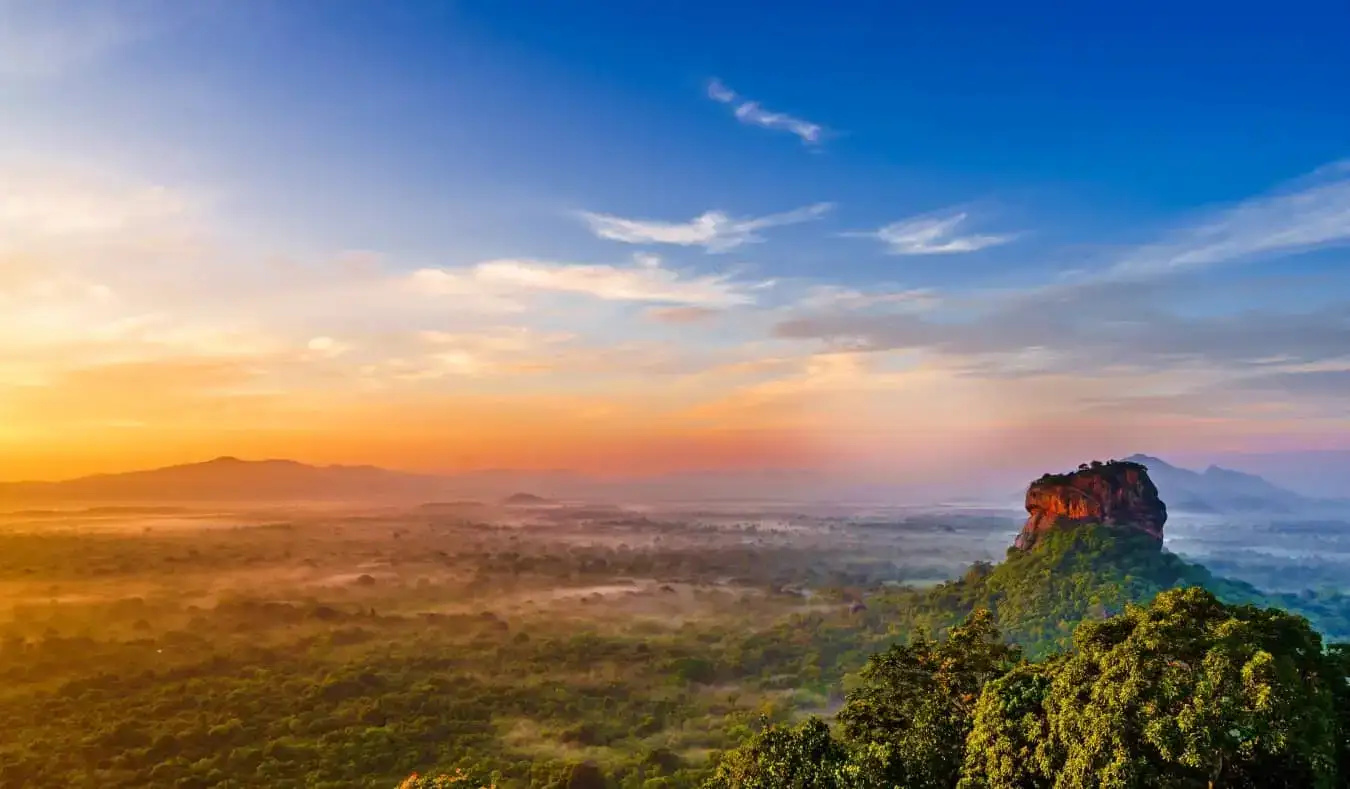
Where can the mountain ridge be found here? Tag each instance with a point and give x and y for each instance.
(1220, 490)
(227, 479)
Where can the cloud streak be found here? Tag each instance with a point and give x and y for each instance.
(647, 280)
(1305, 215)
(753, 114)
(715, 231)
(932, 236)
(40, 39)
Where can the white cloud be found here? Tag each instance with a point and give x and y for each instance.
(834, 297)
(1307, 214)
(326, 348)
(645, 281)
(43, 39)
(932, 236)
(750, 112)
(44, 200)
(719, 92)
(715, 231)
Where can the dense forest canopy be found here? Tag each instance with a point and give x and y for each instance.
(1185, 693)
(1147, 671)
(590, 648)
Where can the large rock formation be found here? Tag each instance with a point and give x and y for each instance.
(1118, 493)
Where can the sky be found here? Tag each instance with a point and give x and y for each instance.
(890, 241)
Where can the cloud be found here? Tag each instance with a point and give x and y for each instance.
(682, 315)
(834, 297)
(751, 113)
(1307, 214)
(1101, 328)
(1257, 352)
(932, 236)
(647, 280)
(44, 39)
(719, 92)
(715, 231)
(43, 200)
(326, 348)
(1329, 384)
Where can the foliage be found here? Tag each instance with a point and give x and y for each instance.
(1089, 572)
(918, 699)
(1009, 725)
(199, 659)
(806, 756)
(1111, 469)
(1186, 693)
(456, 780)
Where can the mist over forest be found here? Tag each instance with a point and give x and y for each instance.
(522, 637)
(455, 394)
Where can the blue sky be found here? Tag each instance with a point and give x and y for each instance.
(790, 221)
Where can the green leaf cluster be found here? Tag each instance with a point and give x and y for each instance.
(1185, 693)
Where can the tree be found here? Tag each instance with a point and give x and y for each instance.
(1339, 657)
(1009, 725)
(586, 775)
(806, 756)
(456, 780)
(918, 700)
(1185, 694)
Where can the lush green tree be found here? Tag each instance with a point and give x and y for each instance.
(456, 780)
(1339, 657)
(1187, 693)
(918, 700)
(586, 775)
(1009, 726)
(806, 756)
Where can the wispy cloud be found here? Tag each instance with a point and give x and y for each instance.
(932, 236)
(1307, 214)
(42, 39)
(647, 280)
(835, 297)
(715, 231)
(682, 315)
(752, 113)
(45, 200)
(1128, 319)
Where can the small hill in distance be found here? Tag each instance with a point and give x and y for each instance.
(440, 506)
(231, 480)
(1224, 491)
(526, 500)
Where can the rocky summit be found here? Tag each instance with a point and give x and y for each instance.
(1117, 493)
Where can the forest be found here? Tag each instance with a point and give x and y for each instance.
(552, 646)
(1183, 692)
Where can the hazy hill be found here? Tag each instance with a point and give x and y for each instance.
(1221, 490)
(526, 500)
(228, 479)
(1092, 545)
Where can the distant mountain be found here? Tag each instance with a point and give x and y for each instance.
(1319, 473)
(1093, 543)
(228, 479)
(1221, 490)
(231, 480)
(526, 500)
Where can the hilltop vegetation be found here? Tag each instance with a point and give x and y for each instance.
(1200, 686)
(1186, 693)
(574, 647)
(332, 651)
(1039, 596)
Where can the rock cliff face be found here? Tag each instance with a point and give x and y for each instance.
(1118, 493)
